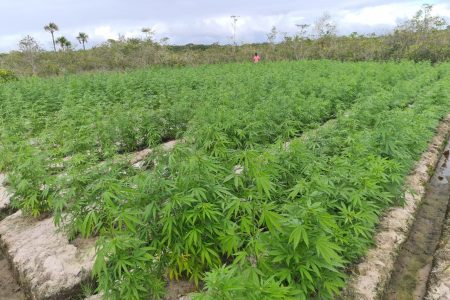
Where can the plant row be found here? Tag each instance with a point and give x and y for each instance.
(233, 208)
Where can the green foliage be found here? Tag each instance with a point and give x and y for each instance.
(233, 207)
(129, 265)
(234, 283)
(7, 75)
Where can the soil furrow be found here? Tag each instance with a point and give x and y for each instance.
(415, 258)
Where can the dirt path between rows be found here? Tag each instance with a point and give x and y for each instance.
(415, 259)
(9, 289)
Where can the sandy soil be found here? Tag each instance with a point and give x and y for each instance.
(415, 259)
(439, 280)
(9, 289)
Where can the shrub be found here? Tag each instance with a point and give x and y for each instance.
(7, 75)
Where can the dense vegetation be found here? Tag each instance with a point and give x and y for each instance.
(7, 75)
(275, 188)
(425, 37)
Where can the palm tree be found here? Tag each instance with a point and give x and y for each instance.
(52, 27)
(82, 38)
(68, 45)
(63, 43)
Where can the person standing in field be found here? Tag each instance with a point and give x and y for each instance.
(256, 58)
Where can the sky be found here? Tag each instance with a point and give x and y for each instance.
(195, 21)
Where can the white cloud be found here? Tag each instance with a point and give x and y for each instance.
(248, 28)
(442, 10)
(386, 15)
(10, 40)
(104, 32)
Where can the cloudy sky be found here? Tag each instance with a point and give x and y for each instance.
(195, 21)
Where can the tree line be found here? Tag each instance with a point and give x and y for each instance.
(423, 37)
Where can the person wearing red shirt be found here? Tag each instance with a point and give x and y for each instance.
(256, 58)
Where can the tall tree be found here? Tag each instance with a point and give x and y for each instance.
(325, 26)
(414, 38)
(234, 20)
(52, 27)
(82, 39)
(325, 31)
(63, 43)
(300, 37)
(424, 22)
(272, 37)
(30, 48)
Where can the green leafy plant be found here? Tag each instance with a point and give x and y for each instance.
(275, 188)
